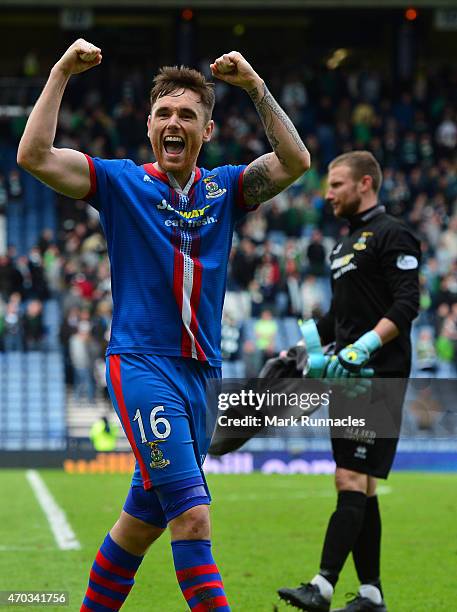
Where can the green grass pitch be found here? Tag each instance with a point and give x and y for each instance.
(267, 533)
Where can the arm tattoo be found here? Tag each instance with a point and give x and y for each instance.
(270, 113)
(258, 185)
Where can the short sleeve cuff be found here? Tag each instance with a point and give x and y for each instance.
(93, 179)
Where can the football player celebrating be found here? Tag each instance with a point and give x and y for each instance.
(169, 227)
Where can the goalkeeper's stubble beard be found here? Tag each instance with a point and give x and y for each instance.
(348, 207)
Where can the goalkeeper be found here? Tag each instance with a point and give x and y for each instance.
(375, 299)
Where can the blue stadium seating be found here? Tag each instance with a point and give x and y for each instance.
(291, 331)
(30, 214)
(14, 220)
(32, 401)
(233, 369)
(51, 321)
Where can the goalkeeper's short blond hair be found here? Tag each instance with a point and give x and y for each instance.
(361, 163)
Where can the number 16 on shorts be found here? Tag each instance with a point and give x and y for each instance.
(160, 426)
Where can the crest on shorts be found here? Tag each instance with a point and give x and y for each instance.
(157, 459)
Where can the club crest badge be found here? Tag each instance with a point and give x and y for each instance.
(157, 459)
(361, 243)
(213, 190)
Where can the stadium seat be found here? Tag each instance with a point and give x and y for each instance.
(292, 331)
(239, 369)
(32, 399)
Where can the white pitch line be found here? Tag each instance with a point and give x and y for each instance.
(60, 527)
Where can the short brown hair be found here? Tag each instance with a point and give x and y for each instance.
(173, 78)
(361, 163)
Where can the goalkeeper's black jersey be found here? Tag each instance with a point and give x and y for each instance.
(374, 274)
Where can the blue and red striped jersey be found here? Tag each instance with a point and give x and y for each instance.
(168, 253)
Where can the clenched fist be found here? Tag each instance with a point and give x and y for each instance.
(235, 70)
(81, 56)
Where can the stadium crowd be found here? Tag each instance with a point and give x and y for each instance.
(278, 265)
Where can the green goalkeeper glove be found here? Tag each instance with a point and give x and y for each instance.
(352, 358)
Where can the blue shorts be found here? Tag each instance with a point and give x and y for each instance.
(161, 403)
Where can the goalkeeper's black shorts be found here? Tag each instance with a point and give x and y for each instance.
(370, 450)
(374, 460)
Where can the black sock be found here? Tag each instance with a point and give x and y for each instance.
(342, 532)
(367, 549)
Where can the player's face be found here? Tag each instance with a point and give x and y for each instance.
(343, 192)
(177, 128)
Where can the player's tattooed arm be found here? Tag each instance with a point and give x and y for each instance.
(270, 174)
(258, 185)
(275, 122)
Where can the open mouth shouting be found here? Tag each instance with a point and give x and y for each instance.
(173, 145)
